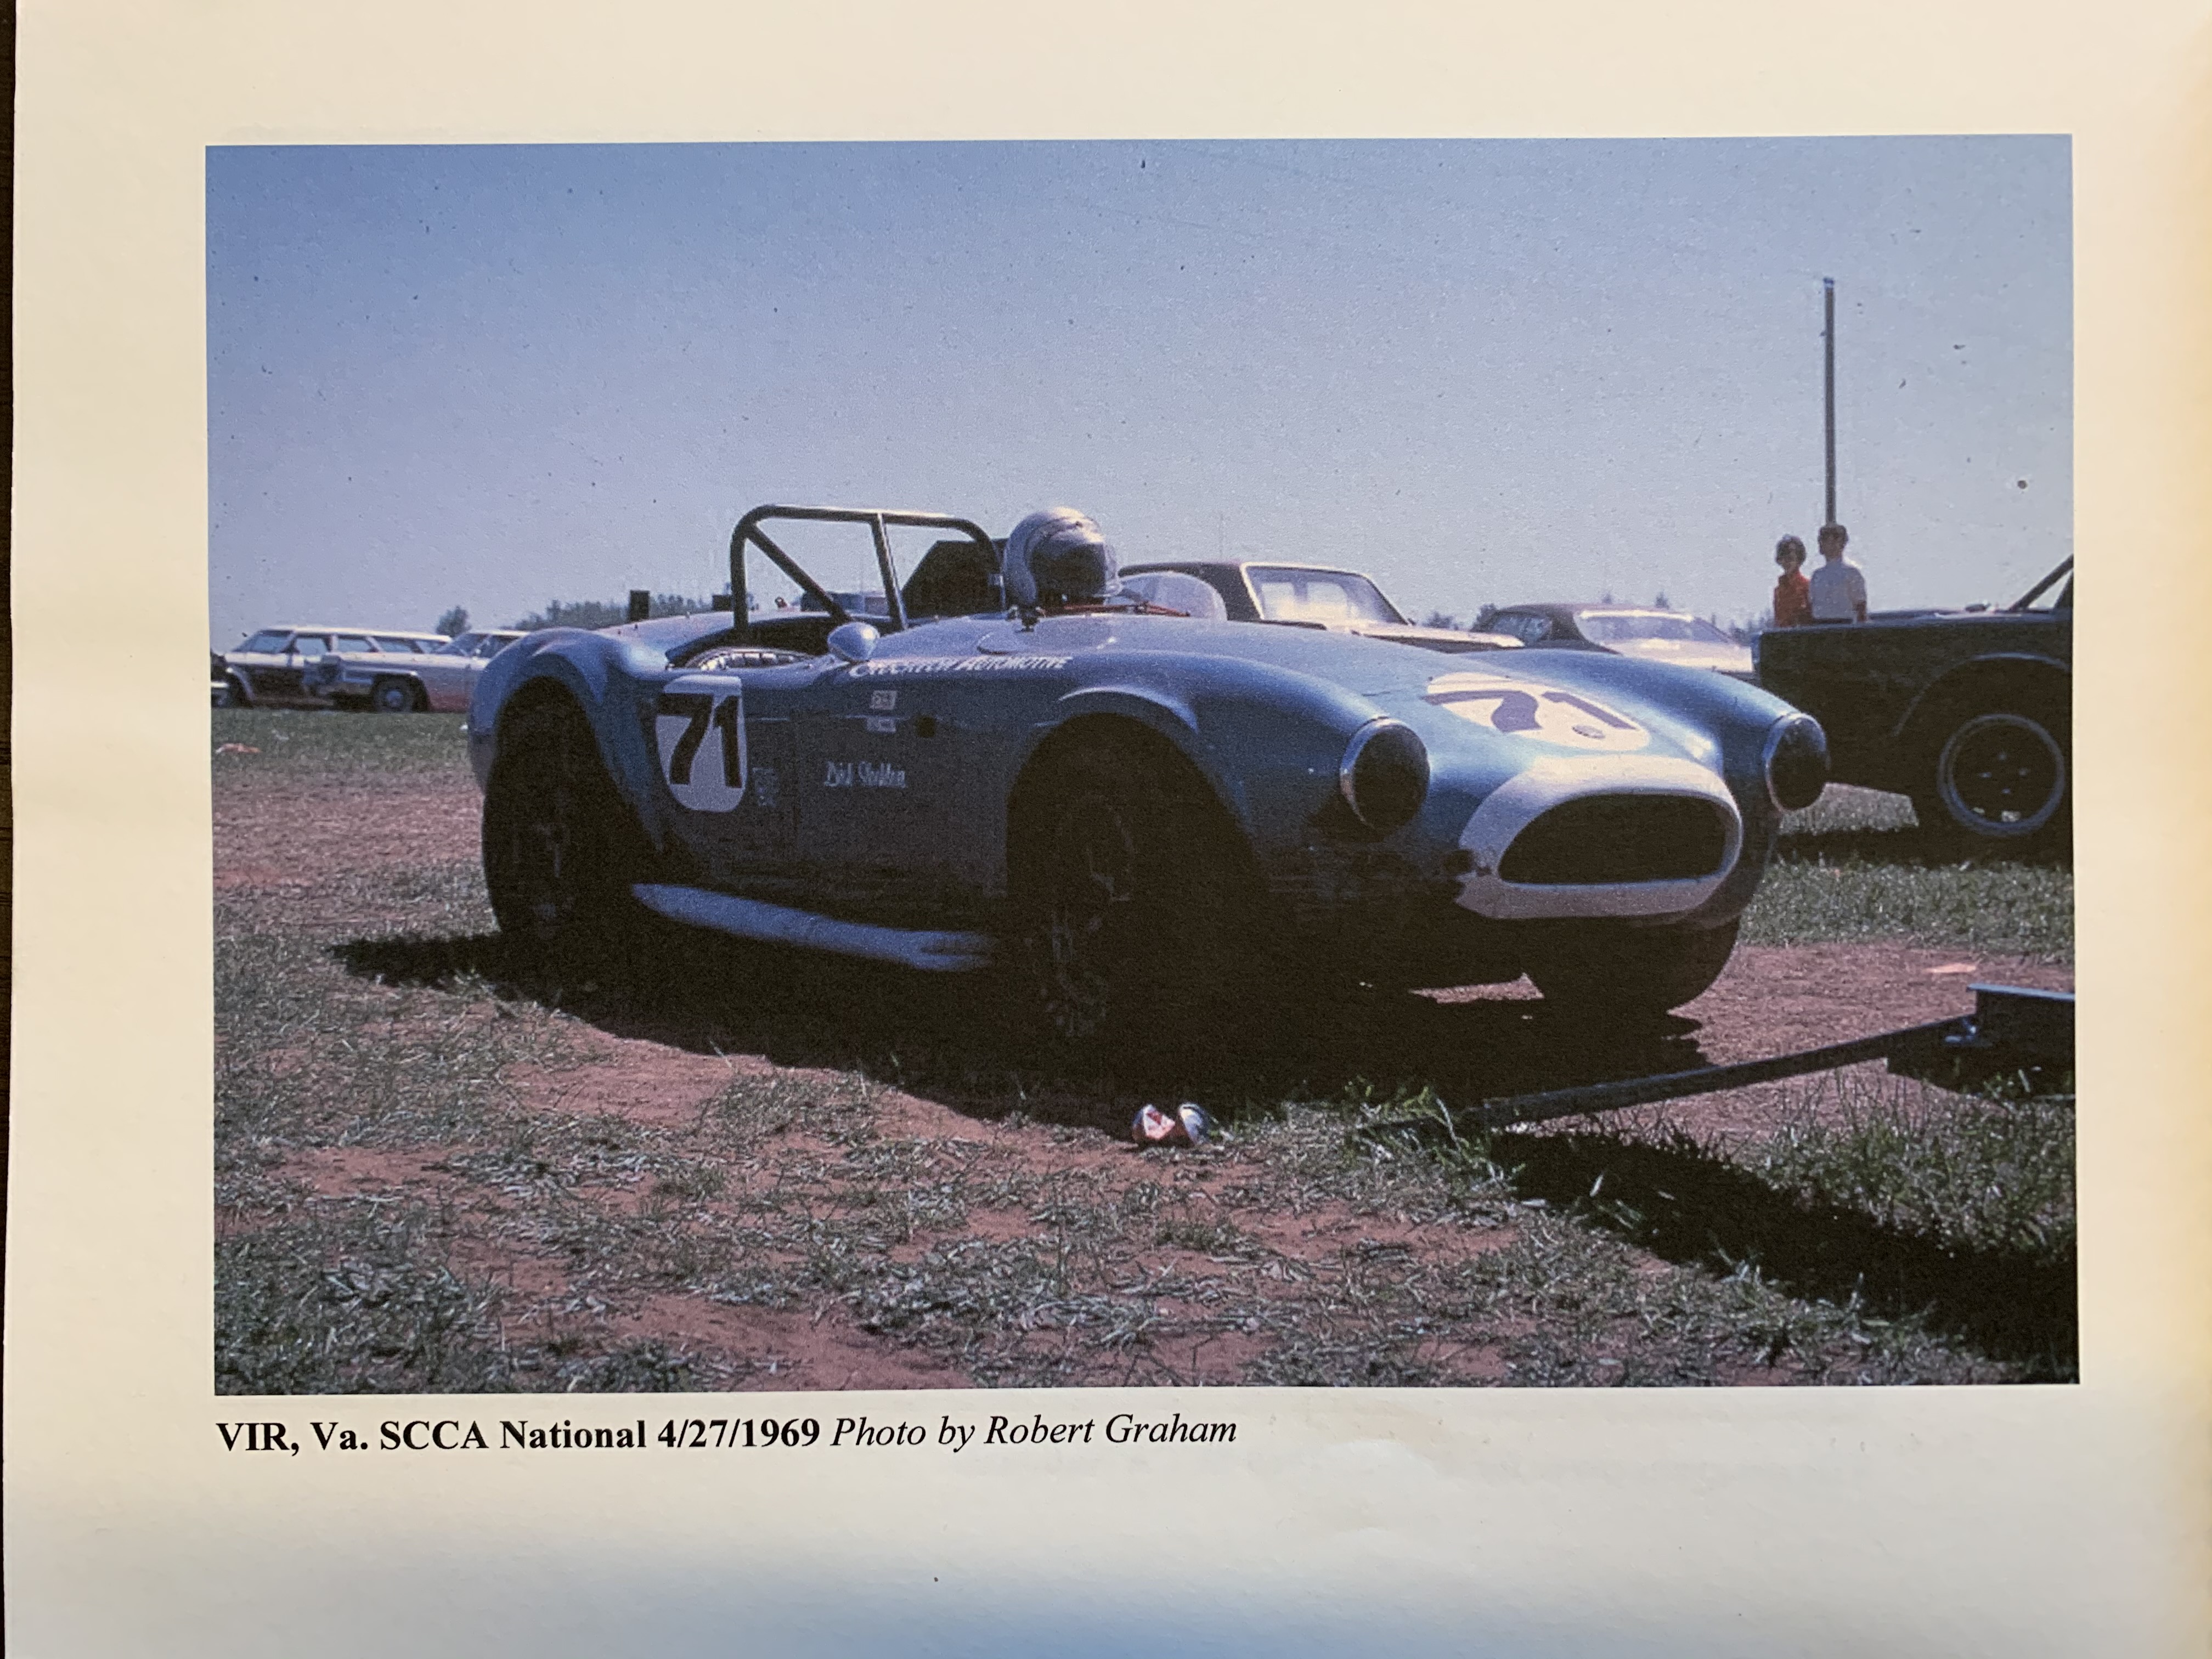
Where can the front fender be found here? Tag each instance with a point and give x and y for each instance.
(589, 667)
(1267, 741)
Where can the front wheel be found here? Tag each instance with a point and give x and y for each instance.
(1138, 913)
(1631, 975)
(559, 850)
(2001, 776)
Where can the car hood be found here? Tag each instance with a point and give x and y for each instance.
(1357, 661)
(1390, 675)
(1451, 641)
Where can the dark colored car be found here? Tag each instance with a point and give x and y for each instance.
(1628, 630)
(1127, 805)
(1968, 711)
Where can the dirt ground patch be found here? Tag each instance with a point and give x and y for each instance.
(291, 833)
(801, 1181)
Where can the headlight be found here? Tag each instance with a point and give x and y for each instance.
(1795, 762)
(1385, 774)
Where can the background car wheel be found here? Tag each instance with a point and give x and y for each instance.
(1631, 974)
(559, 851)
(394, 697)
(1139, 918)
(1999, 774)
(235, 694)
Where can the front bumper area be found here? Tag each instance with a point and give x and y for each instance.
(1674, 835)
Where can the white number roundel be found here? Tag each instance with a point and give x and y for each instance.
(699, 727)
(1543, 714)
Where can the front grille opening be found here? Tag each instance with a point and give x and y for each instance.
(1600, 839)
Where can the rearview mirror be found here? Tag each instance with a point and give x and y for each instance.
(853, 642)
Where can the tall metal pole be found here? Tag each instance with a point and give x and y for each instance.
(1828, 388)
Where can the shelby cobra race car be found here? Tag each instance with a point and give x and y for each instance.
(1134, 810)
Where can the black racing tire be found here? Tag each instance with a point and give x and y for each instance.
(1996, 775)
(1630, 975)
(560, 850)
(395, 696)
(1138, 916)
(236, 696)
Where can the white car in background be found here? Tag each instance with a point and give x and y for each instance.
(1629, 630)
(441, 675)
(1301, 596)
(276, 667)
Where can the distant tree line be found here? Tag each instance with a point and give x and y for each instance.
(603, 613)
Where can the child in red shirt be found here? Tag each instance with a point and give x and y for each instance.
(1793, 594)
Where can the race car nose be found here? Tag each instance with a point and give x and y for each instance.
(1639, 836)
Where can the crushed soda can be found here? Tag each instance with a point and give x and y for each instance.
(1186, 1126)
(1154, 1127)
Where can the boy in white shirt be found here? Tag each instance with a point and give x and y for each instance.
(1839, 586)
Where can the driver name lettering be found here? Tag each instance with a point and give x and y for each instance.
(955, 665)
(864, 774)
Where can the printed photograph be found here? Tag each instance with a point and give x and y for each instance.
(1381, 763)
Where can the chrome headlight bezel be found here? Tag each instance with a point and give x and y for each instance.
(1384, 775)
(1794, 755)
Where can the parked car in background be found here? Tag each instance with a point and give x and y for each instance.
(1644, 632)
(1968, 711)
(438, 675)
(274, 668)
(1311, 596)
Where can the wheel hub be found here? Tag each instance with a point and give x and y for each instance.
(2002, 773)
(1093, 871)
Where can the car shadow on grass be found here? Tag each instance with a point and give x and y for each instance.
(1681, 1202)
(959, 1040)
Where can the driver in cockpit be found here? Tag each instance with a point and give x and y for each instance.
(1058, 559)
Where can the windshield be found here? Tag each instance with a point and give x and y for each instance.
(1614, 627)
(1287, 594)
(857, 602)
(2048, 594)
(269, 641)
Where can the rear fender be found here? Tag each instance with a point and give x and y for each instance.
(1972, 681)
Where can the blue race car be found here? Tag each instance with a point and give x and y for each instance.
(1132, 806)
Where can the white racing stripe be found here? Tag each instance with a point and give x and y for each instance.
(777, 924)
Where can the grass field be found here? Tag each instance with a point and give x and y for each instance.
(1852, 866)
(734, 1169)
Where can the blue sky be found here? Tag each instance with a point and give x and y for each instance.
(1482, 370)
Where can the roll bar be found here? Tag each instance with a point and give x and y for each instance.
(877, 520)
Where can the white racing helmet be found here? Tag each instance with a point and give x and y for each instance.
(1057, 556)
